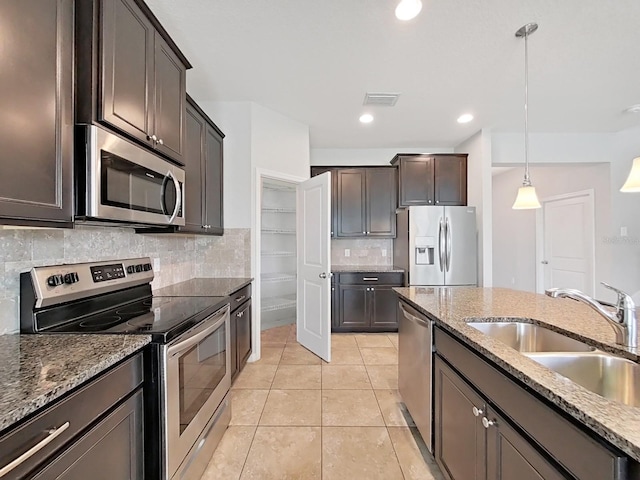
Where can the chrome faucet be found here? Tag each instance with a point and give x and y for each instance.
(623, 319)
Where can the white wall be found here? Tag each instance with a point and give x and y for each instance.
(365, 156)
(514, 231)
(234, 119)
(479, 195)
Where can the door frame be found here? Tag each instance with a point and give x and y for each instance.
(257, 177)
(590, 194)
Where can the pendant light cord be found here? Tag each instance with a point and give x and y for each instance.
(527, 180)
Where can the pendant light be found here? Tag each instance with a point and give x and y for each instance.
(633, 180)
(527, 198)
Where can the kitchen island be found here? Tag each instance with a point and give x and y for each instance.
(452, 309)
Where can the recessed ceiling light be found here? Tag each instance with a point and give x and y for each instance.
(408, 9)
(466, 118)
(366, 118)
(632, 109)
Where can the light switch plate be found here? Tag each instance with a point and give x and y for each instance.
(347, 252)
(384, 252)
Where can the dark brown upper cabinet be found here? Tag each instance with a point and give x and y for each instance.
(203, 170)
(130, 74)
(36, 184)
(432, 179)
(365, 202)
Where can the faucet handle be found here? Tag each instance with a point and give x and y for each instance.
(624, 299)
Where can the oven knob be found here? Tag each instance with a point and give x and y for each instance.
(55, 280)
(70, 278)
(131, 269)
(147, 267)
(138, 268)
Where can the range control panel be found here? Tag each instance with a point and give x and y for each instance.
(62, 283)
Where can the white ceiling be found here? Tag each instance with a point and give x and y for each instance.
(313, 61)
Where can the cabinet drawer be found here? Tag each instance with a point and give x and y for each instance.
(78, 410)
(372, 278)
(584, 456)
(238, 297)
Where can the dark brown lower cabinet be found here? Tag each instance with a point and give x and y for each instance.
(240, 329)
(365, 302)
(489, 427)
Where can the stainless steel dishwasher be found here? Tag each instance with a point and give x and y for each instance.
(415, 347)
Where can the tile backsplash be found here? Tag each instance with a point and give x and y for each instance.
(180, 257)
(362, 251)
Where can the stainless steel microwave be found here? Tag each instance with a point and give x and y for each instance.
(119, 181)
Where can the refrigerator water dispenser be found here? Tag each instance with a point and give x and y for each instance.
(425, 250)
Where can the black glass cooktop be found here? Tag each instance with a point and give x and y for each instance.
(164, 318)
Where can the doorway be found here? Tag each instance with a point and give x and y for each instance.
(565, 242)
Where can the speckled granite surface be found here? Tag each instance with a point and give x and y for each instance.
(37, 369)
(364, 268)
(453, 308)
(204, 287)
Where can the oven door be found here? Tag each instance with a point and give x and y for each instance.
(127, 183)
(198, 376)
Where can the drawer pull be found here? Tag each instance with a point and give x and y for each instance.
(370, 279)
(240, 298)
(53, 434)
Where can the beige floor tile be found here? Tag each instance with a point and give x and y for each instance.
(255, 377)
(393, 337)
(269, 355)
(292, 407)
(358, 453)
(370, 340)
(229, 457)
(247, 406)
(350, 408)
(345, 356)
(275, 336)
(416, 462)
(383, 377)
(343, 340)
(298, 377)
(345, 377)
(284, 453)
(298, 355)
(379, 356)
(393, 410)
(292, 338)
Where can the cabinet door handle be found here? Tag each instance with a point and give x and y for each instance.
(486, 423)
(240, 314)
(370, 279)
(53, 434)
(477, 411)
(240, 298)
(160, 141)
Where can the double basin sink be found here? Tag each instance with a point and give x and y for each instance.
(609, 376)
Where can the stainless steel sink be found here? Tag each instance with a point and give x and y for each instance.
(611, 377)
(527, 337)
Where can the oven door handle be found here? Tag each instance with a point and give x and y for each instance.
(219, 318)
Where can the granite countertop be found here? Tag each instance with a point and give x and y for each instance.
(365, 268)
(204, 287)
(37, 369)
(453, 308)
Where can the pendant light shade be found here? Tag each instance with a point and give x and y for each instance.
(633, 180)
(527, 198)
(408, 9)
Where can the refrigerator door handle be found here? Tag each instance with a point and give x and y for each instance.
(447, 228)
(441, 245)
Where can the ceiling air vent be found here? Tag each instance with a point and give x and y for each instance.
(382, 99)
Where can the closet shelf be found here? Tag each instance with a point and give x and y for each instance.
(278, 277)
(279, 188)
(278, 210)
(278, 231)
(277, 254)
(270, 304)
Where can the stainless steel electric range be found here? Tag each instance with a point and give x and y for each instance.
(187, 365)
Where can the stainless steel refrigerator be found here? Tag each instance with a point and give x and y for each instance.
(437, 245)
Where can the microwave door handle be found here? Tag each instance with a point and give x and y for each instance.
(176, 184)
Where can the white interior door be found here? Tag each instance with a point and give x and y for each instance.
(568, 242)
(313, 319)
